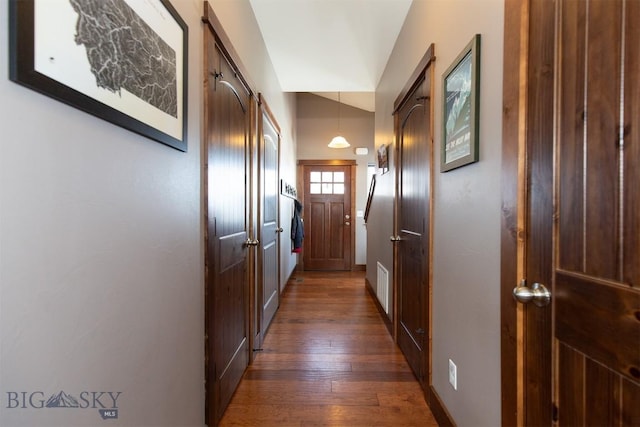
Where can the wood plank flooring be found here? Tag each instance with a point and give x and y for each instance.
(328, 360)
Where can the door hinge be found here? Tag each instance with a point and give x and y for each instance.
(554, 412)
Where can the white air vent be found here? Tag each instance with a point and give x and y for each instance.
(382, 289)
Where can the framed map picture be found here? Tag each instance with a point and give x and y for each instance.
(461, 108)
(124, 61)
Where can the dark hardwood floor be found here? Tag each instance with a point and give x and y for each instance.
(328, 360)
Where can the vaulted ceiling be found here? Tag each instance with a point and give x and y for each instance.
(331, 46)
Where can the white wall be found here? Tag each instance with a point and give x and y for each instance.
(466, 253)
(317, 119)
(101, 249)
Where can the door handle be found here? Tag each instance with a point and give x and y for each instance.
(279, 230)
(251, 242)
(347, 223)
(538, 293)
(395, 239)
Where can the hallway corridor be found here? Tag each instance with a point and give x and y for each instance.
(328, 360)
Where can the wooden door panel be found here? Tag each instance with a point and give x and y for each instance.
(336, 234)
(230, 342)
(597, 303)
(610, 333)
(602, 154)
(271, 288)
(232, 250)
(328, 231)
(413, 210)
(571, 104)
(594, 395)
(589, 202)
(326, 234)
(268, 259)
(571, 397)
(227, 136)
(602, 408)
(411, 313)
(315, 231)
(630, 399)
(270, 277)
(595, 245)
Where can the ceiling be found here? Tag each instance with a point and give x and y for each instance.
(331, 46)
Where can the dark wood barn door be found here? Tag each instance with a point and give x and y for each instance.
(414, 153)
(327, 216)
(268, 220)
(228, 109)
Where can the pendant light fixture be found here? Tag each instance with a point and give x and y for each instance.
(339, 141)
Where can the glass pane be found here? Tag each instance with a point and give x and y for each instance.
(314, 177)
(314, 188)
(327, 188)
(338, 188)
(338, 177)
(327, 176)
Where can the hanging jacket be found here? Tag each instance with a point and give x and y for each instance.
(297, 227)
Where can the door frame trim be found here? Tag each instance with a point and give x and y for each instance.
(301, 184)
(513, 239)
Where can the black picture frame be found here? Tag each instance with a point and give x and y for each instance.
(146, 94)
(461, 109)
